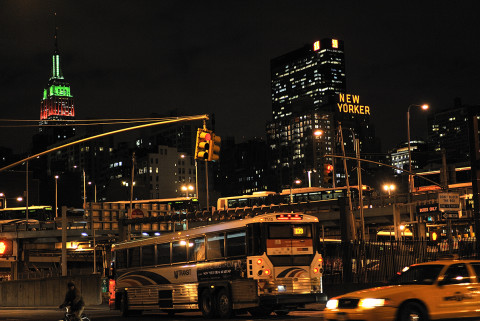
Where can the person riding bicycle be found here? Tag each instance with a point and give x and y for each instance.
(74, 299)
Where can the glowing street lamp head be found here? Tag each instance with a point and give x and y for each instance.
(424, 106)
(318, 133)
(19, 199)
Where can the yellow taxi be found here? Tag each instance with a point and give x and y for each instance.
(444, 289)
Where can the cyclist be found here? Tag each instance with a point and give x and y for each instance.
(74, 299)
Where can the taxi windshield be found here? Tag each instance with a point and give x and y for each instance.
(418, 274)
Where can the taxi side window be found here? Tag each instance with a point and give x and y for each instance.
(476, 267)
(456, 274)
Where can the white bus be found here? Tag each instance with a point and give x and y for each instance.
(297, 195)
(267, 263)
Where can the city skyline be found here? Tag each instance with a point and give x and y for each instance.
(203, 58)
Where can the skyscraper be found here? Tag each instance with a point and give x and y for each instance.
(307, 78)
(305, 84)
(57, 106)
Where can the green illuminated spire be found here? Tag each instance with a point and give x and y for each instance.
(56, 71)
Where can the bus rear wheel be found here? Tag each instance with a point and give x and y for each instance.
(224, 304)
(207, 305)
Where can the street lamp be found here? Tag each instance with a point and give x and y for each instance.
(56, 196)
(296, 182)
(95, 190)
(410, 177)
(389, 188)
(316, 135)
(187, 188)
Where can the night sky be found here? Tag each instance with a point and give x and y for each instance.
(127, 59)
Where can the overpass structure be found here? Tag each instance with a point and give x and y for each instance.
(37, 246)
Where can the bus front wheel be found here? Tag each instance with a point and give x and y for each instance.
(224, 304)
(207, 305)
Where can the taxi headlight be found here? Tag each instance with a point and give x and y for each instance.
(372, 303)
(332, 304)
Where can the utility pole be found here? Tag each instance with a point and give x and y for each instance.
(475, 170)
(350, 217)
(131, 197)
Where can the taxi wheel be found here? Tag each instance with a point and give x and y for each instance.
(413, 311)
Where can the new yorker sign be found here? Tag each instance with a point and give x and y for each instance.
(350, 104)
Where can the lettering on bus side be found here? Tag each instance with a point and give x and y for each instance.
(180, 273)
(220, 270)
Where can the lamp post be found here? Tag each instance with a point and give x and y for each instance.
(316, 135)
(389, 188)
(187, 188)
(297, 182)
(410, 177)
(94, 190)
(56, 196)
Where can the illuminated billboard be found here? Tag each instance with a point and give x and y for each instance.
(350, 104)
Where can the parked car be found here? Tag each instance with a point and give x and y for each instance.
(434, 290)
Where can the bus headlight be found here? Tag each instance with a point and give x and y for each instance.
(372, 303)
(332, 304)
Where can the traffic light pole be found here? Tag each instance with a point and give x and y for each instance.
(206, 182)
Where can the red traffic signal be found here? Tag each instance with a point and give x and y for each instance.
(204, 138)
(6, 247)
(327, 174)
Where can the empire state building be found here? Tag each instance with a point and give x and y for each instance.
(57, 108)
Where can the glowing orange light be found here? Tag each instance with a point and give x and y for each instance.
(315, 270)
(3, 247)
(259, 261)
(320, 260)
(425, 106)
(316, 45)
(334, 43)
(267, 272)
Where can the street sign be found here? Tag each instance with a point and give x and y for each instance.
(137, 213)
(451, 215)
(449, 202)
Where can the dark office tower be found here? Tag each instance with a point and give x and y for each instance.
(305, 87)
(307, 78)
(57, 103)
(448, 131)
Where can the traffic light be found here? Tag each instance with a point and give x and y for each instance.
(202, 146)
(6, 248)
(214, 151)
(327, 174)
(434, 235)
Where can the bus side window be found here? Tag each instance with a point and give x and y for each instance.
(215, 246)
(163, 253)
(196, 249)
(236, 243)
(134, 257)
(148, 255)
(179, 251)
